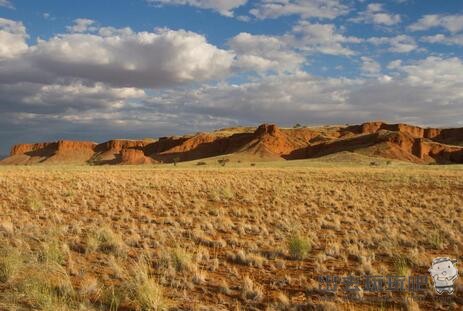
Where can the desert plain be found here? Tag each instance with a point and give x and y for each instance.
(235, 237)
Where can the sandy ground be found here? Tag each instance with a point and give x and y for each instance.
(225, 238)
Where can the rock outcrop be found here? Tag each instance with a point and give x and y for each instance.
(134, 156)
(62, 151)
(266, 142)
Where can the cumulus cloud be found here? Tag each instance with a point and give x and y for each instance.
(453, 23)
(83, 25)
(370, 67)
(145, 59)
(438, 73)
(376, 14)
(397, 44)
(276, 98)
(12, 38)
(324, 9)
(263, 53)
(426, 92)
(224, 7)
(323, 38)
(119, 57)
(34, 98)
(444, 39)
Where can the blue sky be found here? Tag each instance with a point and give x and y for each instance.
(141, 68)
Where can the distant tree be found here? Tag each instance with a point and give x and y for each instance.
(223, 162)
(297, 125)
(176, 160)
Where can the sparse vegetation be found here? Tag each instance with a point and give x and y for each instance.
(154, 239)
(10, 262)
(143, 290)
(106, 241)
(299, 247)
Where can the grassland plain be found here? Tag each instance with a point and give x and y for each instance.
(223, 238)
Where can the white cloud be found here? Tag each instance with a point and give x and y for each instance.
(6, 4)
(322, 38)
(443, 39)
(12, 38)
(224, 7)
(370, 67)
(397, 44)
(26, 103)
(438, 73)
(326, 9)
(395, 64)
(375, 14)
(453, 23)
(263, 53)
(431, 88)
(82, 97)
(118, 57)
(82, 25)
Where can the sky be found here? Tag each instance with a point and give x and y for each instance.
(97, 70)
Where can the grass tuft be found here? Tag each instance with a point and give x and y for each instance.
(299, 247)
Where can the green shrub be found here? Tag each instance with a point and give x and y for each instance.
(299, 247)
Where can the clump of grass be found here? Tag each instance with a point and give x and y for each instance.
(224, 193)
(401, 265)
(113, 298)
(144, 292)
(251, 290)
(242, 258)
(47, 287)
(181, 260)
(11, 262)
(106, 241)
(89, 289)
(299, 247)
(34, 204)
(436, 240)
(53, 251)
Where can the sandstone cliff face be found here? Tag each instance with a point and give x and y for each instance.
(268, 142)
(134, 157)
(439, 152)
(452, 135)
(56, 147)
(64, 151)
(75, 146)
(26, 148)
(116, 145)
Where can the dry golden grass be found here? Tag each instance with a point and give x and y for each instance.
(220, 238)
